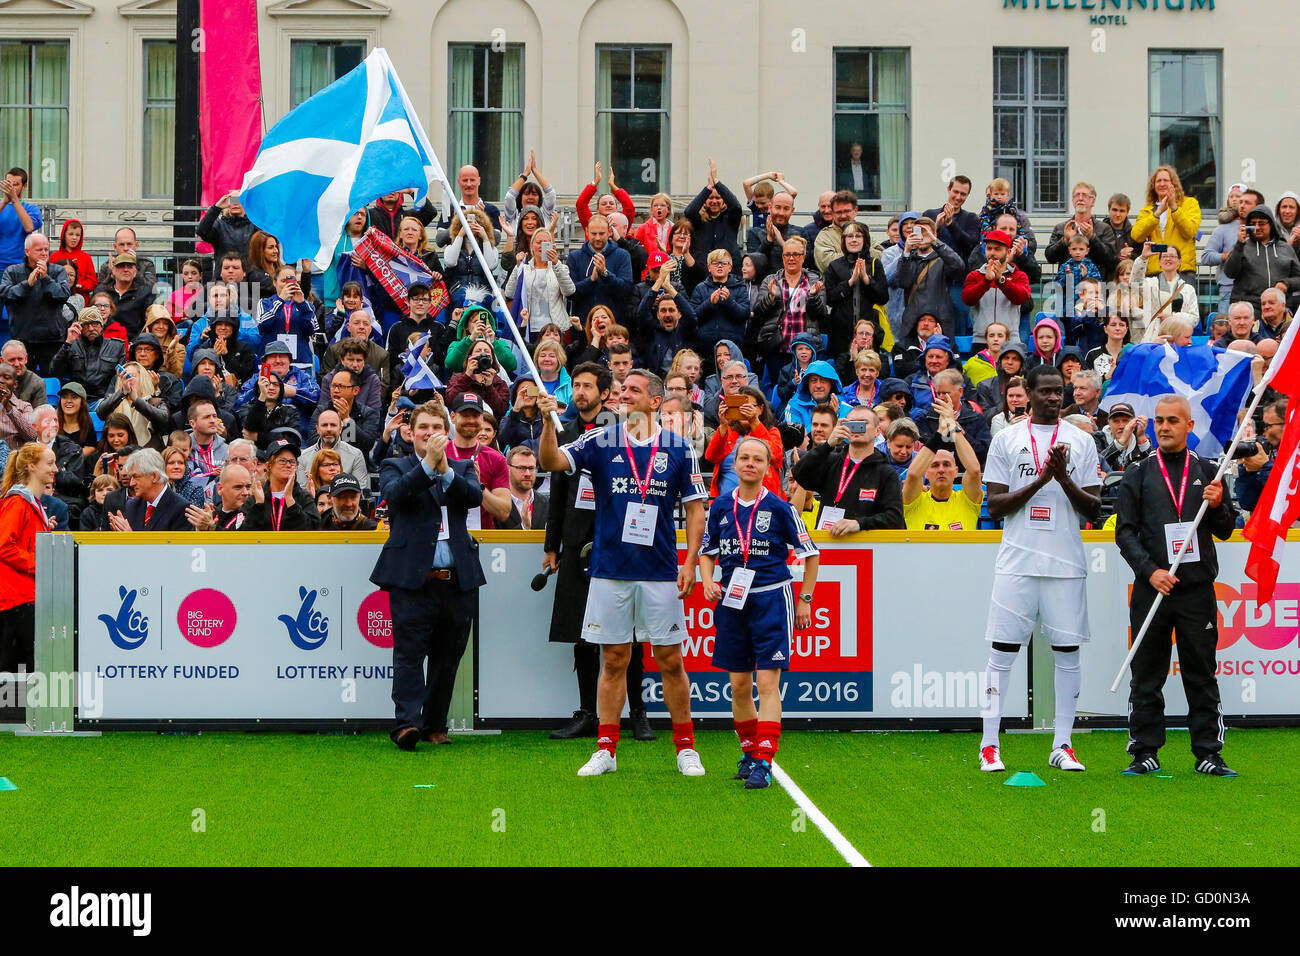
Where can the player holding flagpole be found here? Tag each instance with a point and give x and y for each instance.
(1042, 477)
(749, 534)
(639, 472)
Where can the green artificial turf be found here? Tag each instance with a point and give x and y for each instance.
(901, 798)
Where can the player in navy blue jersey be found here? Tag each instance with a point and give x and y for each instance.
(638, 472)
(750, 534)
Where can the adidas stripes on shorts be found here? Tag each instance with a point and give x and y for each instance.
(1019, 600)
(615, 608)
(756, 636)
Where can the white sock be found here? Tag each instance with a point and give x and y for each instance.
(996, 677)
(1068, 678)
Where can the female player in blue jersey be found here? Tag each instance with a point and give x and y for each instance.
(750, 533)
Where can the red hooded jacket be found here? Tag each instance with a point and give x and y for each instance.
(86, 274)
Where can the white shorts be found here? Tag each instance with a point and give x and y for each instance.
(1018, 601)
(615, 608)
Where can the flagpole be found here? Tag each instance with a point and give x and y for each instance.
(1191, 534)
(450, 194)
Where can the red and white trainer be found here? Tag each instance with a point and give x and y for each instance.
(1063, 758)
(990, 759)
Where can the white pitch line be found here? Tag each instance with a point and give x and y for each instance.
(829, 830)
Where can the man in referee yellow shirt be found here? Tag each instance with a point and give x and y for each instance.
(938, 508)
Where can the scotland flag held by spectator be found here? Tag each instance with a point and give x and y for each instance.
(415, 368)
(354, 141)
(1215, 382)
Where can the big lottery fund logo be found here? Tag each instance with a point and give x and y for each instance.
(129, 629)
(375, 619)
(206, 618)
(310, 628)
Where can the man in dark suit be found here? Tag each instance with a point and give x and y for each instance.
(429, 566)
(153, 506)
(528, 506)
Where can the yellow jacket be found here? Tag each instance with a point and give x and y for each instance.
(1184, 223)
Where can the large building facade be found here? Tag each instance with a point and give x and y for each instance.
(1043, 92)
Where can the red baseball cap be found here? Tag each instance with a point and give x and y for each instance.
(997, 235)
(657, 259)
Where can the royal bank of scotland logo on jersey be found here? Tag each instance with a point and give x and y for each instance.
(763, 522)
(619, 486)
(130, 627)
(661, 461)
(309, 629)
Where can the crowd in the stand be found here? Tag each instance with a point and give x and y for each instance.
(257, 394)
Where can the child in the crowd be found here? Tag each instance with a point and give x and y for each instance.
(92, 514)
(760, 198)
(1047, 342)
(998, 202)
(1076, 269)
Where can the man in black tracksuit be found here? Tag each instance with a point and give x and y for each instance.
(570, 531)
(857, 487)
(1147, 533)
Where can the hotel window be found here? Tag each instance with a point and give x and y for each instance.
(1030, 116)
(632, 98)
(315, 64)
(159, 148)
(34, 113)
(485, 122)
(872, 126)
(1186, 121)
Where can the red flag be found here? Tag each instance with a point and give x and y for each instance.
(1278, 507)
(1283, 372)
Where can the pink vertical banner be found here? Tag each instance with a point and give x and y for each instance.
(230, 92)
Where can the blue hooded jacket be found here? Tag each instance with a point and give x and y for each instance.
(798, 411)
(922, 397)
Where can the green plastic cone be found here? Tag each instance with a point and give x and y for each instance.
(1024, 779)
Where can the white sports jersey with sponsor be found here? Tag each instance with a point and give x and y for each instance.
(624, 549)
(1042, 539)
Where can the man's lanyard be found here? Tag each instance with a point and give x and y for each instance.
(1182, 487)
(206, 457)
(1033, 444)
(746, 538)
(459, 457)
(277, 514)
(846, 477)
(641, 486)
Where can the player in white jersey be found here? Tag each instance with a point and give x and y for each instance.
(1042, 476)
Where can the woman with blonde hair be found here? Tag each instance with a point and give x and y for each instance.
(588, 339)
(461, 267)
(687, 363)
(29, 474)
(1176, 329)
(137, 399)
(413, 238)
(176, 464)
(542, 282)
(1169, 218)
(548, 356)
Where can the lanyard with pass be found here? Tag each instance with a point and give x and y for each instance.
(1033, 444)
(288, 313)
(746, 538)
(642, 486)
(1182, 486)
(206, 457)
(277, 514)
(846, 477)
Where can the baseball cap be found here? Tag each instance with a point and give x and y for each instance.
(1122, 408)
(75, 388)
(997, 235)
(344, 483)
(468, 402)
(285, 442)
(276, 348)
(124, 258)
(657, 259)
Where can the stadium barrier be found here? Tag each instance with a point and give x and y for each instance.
(192, 631)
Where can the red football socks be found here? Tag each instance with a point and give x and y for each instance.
(769, 740)
(746, 731)
(684, 736)
(607, 738)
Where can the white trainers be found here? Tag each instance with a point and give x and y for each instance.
(602, 761)
(1063, 758)
(990, 760)
(688, 762)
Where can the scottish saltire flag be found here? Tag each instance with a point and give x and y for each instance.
(415, 369)
(354, 141)
(1214, 381)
